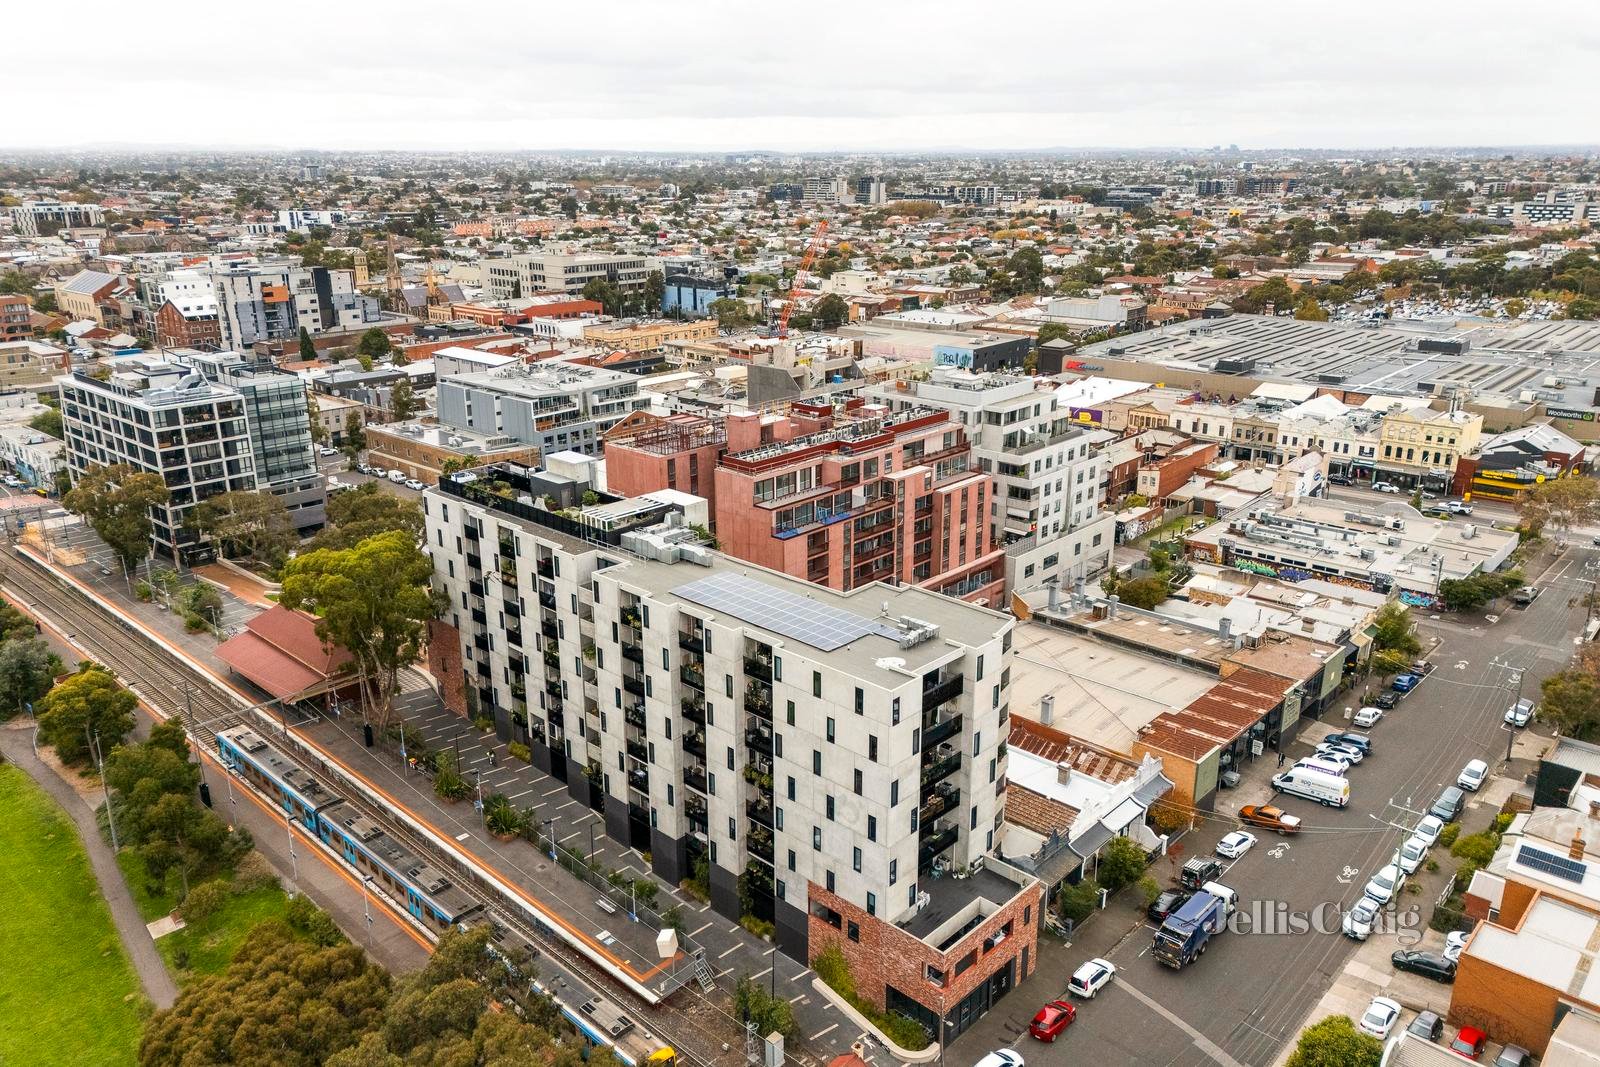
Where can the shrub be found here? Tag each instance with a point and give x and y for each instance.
(253, 872)
(144, 591)
(194, 624)
(204, 900)
(1121, 863)
(520, 751)
(1078, 902)
(835, 972)
(752, 1003)
(1149, 889)
(311, 921)
(501, 816)
(1502, 822)
(447, 781)
(1336, 1041)
(1447, 836)
(759, 927)
(484, 723)
(1476, 848)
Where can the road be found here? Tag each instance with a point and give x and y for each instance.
(1249, 994)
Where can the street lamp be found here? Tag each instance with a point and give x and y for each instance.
(294, 860)
(366, 905)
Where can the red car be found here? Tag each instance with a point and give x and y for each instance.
(1053, 1018)
(1469, 1042)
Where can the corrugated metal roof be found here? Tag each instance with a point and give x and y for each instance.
(88, 282)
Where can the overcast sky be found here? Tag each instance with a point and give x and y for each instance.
(871, 74)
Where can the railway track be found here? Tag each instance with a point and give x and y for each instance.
(700, 1030)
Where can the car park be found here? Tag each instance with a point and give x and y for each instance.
(1448, 806)
(1386, 884)
(1386, 701)
(1521, 713)
(1090, 978)
(1513, 1056)
(1412, 853)
(1359, 919)
(1380, 1017)
(1269, 817)
(1469, 1042)
(1427, 1025)
(1428, 829)
(1385, 487)
(1428, 964)
(1051, 1019)
(1405, 683)
(1472, 775)
(1369, 717)
(1168, 902)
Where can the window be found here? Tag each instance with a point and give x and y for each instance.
(733, 829)
(872, 902)
(816, 762)
(830, 729)
(894, 871)
(790, 711)
(791, 787)
(830, 881)
(852, 930)
(816, 839)
(830, 807)
(1051, 562)
(791, 859)
(894, 712)
(872, 826)
(861, 701)
(730, 759)
(858, 779)
(816, 683)
(872, 748)
(855, 860)
(977, 737)
(777, 668)
(894, 793)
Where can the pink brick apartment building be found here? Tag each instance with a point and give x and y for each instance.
(855, 494)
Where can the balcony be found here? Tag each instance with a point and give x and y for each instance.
(758, 702)
(942, 689)
(694, 710)
(758, 667)
(639, 751)
(633, 685)
(633, 652)
(545, 568)
(514, 637)
(760, 846)
(695, 745)
(633, 715)
(938, 771)
(474, 561)
(691, 642)
(547, 601)
(939, 731)
(946, 797)
(481, 643)
(938, 841)
(514, 612)
(479, 616)
(699, 823)
(631, 620)
(759, 811)
(695, 778)
(475, 587)
(471, 533)
(758, 735)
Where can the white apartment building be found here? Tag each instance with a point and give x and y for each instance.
(1047, 501)
(827, 190)
(557, 406)
(260, 302)
(515, 277)
(820, 754)
(39, 218)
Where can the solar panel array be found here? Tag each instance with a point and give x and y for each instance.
(781, 611)
(1552, 864)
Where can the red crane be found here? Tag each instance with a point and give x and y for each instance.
(812, 248)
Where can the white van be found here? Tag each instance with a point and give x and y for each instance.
(1230, 899)
(398, 477)
(1330, 789)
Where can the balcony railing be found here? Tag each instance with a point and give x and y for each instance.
(938, 771)
(942, 690)
(693, 677)
(695, 745)
(758, 667)
(759, 811)
(946, 797)
(941, 840)
(633, 652)
(639, 751)
(694, 710)
(758, 736)
(634, 686)
(941, 731)
(695, 778)
(691, 642)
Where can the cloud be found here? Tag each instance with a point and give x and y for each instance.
(357, 74)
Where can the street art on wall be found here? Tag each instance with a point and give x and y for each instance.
(1421, 600)
(1255, 567)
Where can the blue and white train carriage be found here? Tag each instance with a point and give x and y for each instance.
(360, 842)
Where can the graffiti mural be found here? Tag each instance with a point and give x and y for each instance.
(1421, 600)
(1253, 567)
(1294, 574)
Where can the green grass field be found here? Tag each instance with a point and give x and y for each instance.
(67, 993)
(207, 946)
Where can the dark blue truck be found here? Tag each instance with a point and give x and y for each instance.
(1183, 937)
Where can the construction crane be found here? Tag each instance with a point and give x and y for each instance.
(812, 247)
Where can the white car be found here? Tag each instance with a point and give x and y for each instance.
(1472, 775)
(1367, 718)
(1385, 487)
(326, 451)
(1003, 1057)
(412, 483)
(1345, 752)
(1429, 829)
(1380, 1017)
(1087, 980)
(1358, 921)
(1454, 942)
(1412, 853)
(1236, 844)
(1520, 713)
(1384, 885)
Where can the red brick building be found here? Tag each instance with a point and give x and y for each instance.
(646, 452)
(176, 328)
(15, 319)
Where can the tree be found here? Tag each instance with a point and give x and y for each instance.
(1392, 630)
(48, 422)
(319, 432)
(1274, 291)
(308, 351)
(363, 512)
(1121, 863)
(830, 312)
(252, 523)
(1308, 310)
(117, 501)
(602, 292)
(1054, 331)
(569, 207)
(655, 291)
(1335, 1042)
(45, 303)
(1571, 698)
(1560, 503)
(374, 344)
(403, 401)
(282, 1000)
(1468, 594)
(373, 600)
(27, 670)
(1144, 592)
(731, 314)
(89, 703)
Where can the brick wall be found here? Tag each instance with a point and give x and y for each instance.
(1506, 1006)
(444, 663)
(887, 955)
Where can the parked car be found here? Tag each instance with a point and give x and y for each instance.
(1385, 487)
(1339, 479)
(1520, 713)
(412, 483)
(1265, 815)
(1470, 1042)
(1438, 511)
(1197, 871)
(1358, 921)
(1328, 764)
(1458, 507)
(1380, 1017)
(398, 477)
(1333, 748)
(1361, 741)
(1168, 902)
(1051, 1019)
(1427, 1025)
(1387, 701)
(1405, 683)
(1472, 775)
(1513, 1056)
(1386, 884)
(1428, 964)
(1525, 596)
(1428, 829)
(1448, 806)
(1087, 980)
(1236, 843)
(1367, 718)
(327, 451)
(1412, 853)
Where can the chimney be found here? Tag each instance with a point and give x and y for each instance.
(1055, 595)
(1063, 773)
(1576, 851)
(1047, 709)
(1225, 628)
(1111, 605)
(1594, 809)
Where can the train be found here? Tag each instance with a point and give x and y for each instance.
(428, 895)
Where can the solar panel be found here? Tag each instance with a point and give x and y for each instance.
(781, 611)
(1560, 866)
